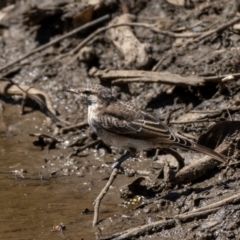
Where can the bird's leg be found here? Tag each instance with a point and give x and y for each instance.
(155, 157)
(24, 99)
(129, 153)
(120, 160)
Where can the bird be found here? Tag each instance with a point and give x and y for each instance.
(122, 125)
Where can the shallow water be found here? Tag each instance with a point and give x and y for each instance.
(33, 202)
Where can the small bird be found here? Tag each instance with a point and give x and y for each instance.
(122, 125)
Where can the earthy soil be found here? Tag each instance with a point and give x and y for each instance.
(48, 190)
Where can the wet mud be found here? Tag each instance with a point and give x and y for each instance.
(52, 166)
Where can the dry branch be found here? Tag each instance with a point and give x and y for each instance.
(91, 144)
(200, 36)
(87, 25)
(218, 29)
(102, 194)
(185, 217)
(103, 29)
(125, 76)
(219, 77)
(199, 168)
(73, 127)
(230, 200)
(9, 88)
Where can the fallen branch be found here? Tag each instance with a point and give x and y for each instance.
(73, 127)
(219, 77)
(200, 36)
(91, 144)
(7, 87)
(130, 76)
(230, 200)
(102, 194)
(199, 168)
(195, 116)
(103, 29)
(119, 77)
(156, 30)
(145, 25)
(73, 32)
(216, 30)
(133, 24)
(159, 225)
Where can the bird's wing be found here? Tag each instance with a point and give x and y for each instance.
(134, 123)
(115, 125)
(152, 124)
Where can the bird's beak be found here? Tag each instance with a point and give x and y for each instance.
(73, 90)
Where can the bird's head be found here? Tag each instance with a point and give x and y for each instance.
(93, 93)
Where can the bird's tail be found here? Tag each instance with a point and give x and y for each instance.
(209, 152)
(187, 144)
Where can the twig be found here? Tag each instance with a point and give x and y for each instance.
(144, 25)
(218, 29)
(230, 200)
(102, 194)
(201, 167)
(69, 128)
(8, 87)
(209, 114)
(213, 78)
(129, 76)
(134, 24)
(87, 25)
(11, 72)
(158, 225)
(78, 142)
(218, 111)
(103, 29)
(91, 144)
(205, 120)
(158, 64)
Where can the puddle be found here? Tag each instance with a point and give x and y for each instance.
(33, 202)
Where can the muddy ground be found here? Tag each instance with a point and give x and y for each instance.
(52, 166)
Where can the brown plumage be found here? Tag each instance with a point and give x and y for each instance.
(122, 125)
